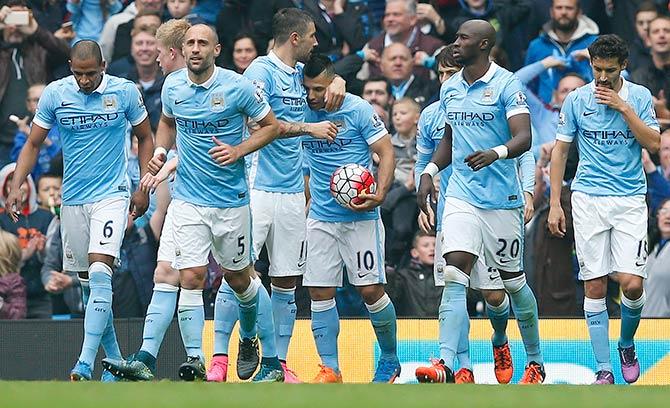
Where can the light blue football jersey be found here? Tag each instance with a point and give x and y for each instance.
(478, 116)
(93, 135)
(278, 166)
(430, 131)
(216, 108)
(358, 127)
(610, 161)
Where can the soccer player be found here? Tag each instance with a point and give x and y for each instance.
(277, 194)
(487, 122)
(141, 366)
(352, 237)
(92, 111)
(611, 119)
(430, 132)
(206, 108)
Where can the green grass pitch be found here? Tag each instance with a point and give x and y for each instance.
(174, 394)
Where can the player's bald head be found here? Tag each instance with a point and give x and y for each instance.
(201, 30)
(480, 30)
(86, 50)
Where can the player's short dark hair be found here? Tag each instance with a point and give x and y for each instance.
(379, 79)
(287, 21)
(318, 64)
(646, 6)
(609, 46)
(86, 49)
(446, 57)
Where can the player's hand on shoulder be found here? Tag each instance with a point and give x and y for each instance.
(335, 94)
(556, 221)
(481, 158)
(323, 130)
(609, 97)
(370, 201)
(139, 202)
(224, 154)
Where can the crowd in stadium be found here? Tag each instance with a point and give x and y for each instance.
(386, 52)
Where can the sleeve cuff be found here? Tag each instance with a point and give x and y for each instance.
(37, 121)
(263, 114)
(377, 136)
(423, 150)
(166, 114)
(655, 127)
(564, 138)
(140, 120)
(517, 111)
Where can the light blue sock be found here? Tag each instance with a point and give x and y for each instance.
(225, 315)
(452, 319)
(191, 314)
(383, 318)
(326, 329)
(597, 320)
(265, 323)
(463, 355)
(284, 312)
(159, 316)
(98, 310)
(499, 315)
(108, 340)
(524, 306)
(248, 310)
(631, 310)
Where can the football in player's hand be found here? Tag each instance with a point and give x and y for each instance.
(348, 181)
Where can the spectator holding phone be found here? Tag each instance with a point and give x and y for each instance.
(89, 16)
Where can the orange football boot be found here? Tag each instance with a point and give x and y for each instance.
(504, 369)
(327, 376)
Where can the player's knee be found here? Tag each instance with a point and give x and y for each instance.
(164, 273)
(371, 294)
(596, 288)
(494, 297)
(284, 282)
(238, 280)
(632, 288)
(321, 293)
(461, 260)
(192, 279)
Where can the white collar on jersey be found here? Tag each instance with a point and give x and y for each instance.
(486, 78)
(208, 83)
(281, 64)
(100, 89)
(623, 92)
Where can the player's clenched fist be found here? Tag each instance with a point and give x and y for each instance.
(157, 162)
(480, 159)
(556, 221)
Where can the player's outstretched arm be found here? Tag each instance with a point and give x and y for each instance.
(556, 219)
(25, 163)
(441, 159)
(384, 149)
(320, 130)
(225, 154)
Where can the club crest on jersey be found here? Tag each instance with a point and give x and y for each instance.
(109, 103)
(217, 103)
(340, 124)
(487, 95)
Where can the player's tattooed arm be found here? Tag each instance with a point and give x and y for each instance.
(556, 219)
(441, 159)
(225, 154)
(384, 150)
(320, 130)
(24, 164)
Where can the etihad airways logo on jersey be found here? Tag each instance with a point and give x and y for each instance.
(324, 146)
(294, 104)
(84, 122)
(608, 137)
(202, 126)
(469, 118)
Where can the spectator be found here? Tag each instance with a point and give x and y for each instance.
(433, 17)
(658, 274)
(412, 286)
(146, 19)
(658, 177)
(12, 288)
(110, 32)
(505, 16)
(207, 10)
(49, 191)
(566, 32)
(243, 52)
(31, 229)
(639, 55)
(405, 118)
(396, 66)
(399, 214)
(51, 146)
(655, 76)
(49, 14)
(184, 9)
(88, 17)
(250, 16)
(378, 90)
(28, 54)
(339, 33)
(141, 67)
(400, 26)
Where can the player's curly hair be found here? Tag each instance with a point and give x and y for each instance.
(609, 46)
